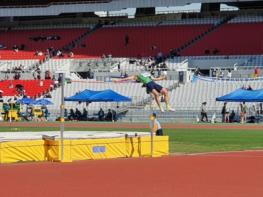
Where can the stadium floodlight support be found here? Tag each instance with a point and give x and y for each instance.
(62, 106)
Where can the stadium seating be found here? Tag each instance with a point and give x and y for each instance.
(143, 41)
(230, 39)
(11, 64)
(33, 88)
(191, 95)
(22, 37)
(247, 19)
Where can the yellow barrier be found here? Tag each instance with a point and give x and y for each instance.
(82, 149)
(22, 151)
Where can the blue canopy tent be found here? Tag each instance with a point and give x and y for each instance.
(90, 96)
(98, 96)
(109, 96)
(42, 102)
(241, 95)
(26, 101)
(82, 96)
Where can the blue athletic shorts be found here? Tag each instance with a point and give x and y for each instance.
(152, 85)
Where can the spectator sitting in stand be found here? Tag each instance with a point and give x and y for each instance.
(101, 114)
(221, 74)
(45, 38)
(232, 116)
(2, 46)
(109, 116)
(72, 115)
(249, 88)
(39, 75)
(15, 48)
(229, 74)
(71, 54)
(66, 114)
(47, 95)
(84, 115)
(78, 114)
(243, 87)
(17, 76)
(257, 72)
(47, 75)
(21, 68)
(197, 71)
(38, 53)
(59, 53)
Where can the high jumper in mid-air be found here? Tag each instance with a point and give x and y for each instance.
(151, 87)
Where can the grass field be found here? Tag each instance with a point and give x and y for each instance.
(189, 140)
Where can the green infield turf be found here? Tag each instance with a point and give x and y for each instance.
(189, 140)
(212, 140)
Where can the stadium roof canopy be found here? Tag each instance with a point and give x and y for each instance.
(55, 7)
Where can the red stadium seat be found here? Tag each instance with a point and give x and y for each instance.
(230, 39)
(33, 88)
(141, 40)
(19, 37)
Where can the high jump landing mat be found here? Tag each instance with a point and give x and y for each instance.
(79, 145)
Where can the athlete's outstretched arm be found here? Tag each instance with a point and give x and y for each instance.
(163, 77)
(133, 77)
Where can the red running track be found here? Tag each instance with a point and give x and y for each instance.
(208, 175)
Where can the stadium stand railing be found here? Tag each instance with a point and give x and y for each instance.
(231, 61)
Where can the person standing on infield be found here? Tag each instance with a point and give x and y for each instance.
(157, 128)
